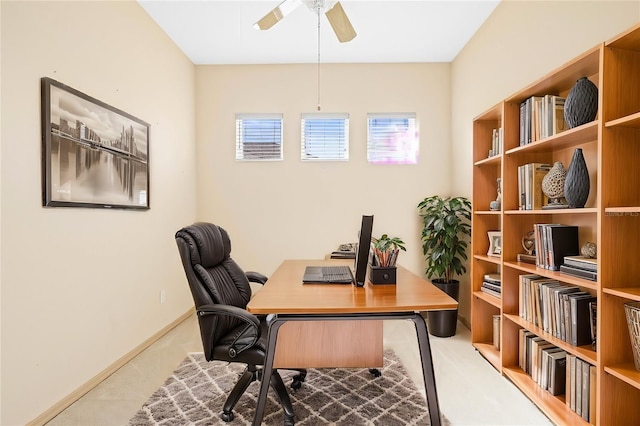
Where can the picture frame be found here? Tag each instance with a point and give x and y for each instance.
(495, 243)
(93, 155)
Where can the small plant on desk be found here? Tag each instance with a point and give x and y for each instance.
(386, 250)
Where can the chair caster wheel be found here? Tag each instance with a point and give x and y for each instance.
(296, 384)
(300, 377)
(227, 417)
(288, 421)
(375, 372)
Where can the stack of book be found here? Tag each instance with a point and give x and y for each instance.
(553, 243)
(541, 117)
(491, 284)
(544, 362)
(580, 266)
(560, 309)
(581, 388)
(497, 142)
(530, 185)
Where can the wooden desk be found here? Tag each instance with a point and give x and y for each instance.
(291, 301)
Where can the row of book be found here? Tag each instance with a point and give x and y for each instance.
(530, 185)
(497, 142)
(560, 309)
(491, 284)
(580, 393)
(544, 362)
(553, 242)
(541, 117)
(558, 372)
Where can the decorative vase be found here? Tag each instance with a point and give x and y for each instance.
(581, 105)
(576, 184)
(553, 186)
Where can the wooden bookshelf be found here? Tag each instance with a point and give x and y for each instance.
(610, 218)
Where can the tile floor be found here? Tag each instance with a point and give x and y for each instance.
(470, 390)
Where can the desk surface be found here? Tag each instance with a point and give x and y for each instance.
(284, 293)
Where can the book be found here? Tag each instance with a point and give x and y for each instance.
(492, 278)
(491, 292)
(580, 318)
(585, 390)
(577, 384)
(571, 382)
(592, 394)
(496, 332)
(557, 373)
(579, 272)
(558, 241)
(582, 262)
(491, 286)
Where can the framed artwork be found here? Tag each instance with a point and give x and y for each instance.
(495, 243)
(93, 155)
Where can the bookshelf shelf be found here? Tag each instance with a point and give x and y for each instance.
(584, 352)
(587, 133)
(632, 293)
(492, 300)
(554, 407)
(532, 269)
(485, 258)
(585, 211)
(490, 353)
(611, 219)
(632, 121)
(626, 372)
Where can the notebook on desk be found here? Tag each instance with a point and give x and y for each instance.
(342, 274)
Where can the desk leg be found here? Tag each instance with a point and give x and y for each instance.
(267, 369)
(427, 369)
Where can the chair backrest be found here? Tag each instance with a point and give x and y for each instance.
(213, 276)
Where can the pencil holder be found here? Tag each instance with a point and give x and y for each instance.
(382, 274)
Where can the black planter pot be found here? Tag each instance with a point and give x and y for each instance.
(443, 323)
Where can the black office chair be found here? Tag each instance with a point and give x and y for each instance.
(221, 292)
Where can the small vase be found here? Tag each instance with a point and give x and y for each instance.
(581, 105)
(576, 184)
(553, 185)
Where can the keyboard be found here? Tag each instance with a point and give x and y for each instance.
(336, 273)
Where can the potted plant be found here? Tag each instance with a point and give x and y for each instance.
(385, 255)
(446, 226)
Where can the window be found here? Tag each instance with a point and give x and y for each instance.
(392, 139)
(259, 137)
(325, 137)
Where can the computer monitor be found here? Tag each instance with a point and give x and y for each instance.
(362, 251)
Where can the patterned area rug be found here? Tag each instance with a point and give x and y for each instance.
(195, 392)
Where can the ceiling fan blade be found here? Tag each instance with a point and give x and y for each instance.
(272, 18)
(340, 23)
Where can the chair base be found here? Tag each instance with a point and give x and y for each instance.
(251, 373)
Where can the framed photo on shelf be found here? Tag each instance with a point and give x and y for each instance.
(93, 155)
(495, 243)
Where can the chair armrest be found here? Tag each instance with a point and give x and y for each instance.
(256, 277)
(250, 331)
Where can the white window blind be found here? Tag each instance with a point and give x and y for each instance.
(325, 136)
(392, 138)
(258, 137)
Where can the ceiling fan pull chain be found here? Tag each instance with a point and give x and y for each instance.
(318, 13)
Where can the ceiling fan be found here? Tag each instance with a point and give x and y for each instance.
(332, 9)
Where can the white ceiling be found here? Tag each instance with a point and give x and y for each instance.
(221, 32)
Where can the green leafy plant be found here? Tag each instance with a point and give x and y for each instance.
(447, 224)
(386, 249)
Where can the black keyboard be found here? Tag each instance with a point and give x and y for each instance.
(334, 273)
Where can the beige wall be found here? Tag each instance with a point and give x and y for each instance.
(520, 43)
(295, 209)
(80, 287)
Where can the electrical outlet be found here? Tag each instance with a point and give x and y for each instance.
(163, 296)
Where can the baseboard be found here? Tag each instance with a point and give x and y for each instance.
(100, 377)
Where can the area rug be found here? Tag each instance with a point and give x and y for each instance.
(195, 393)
